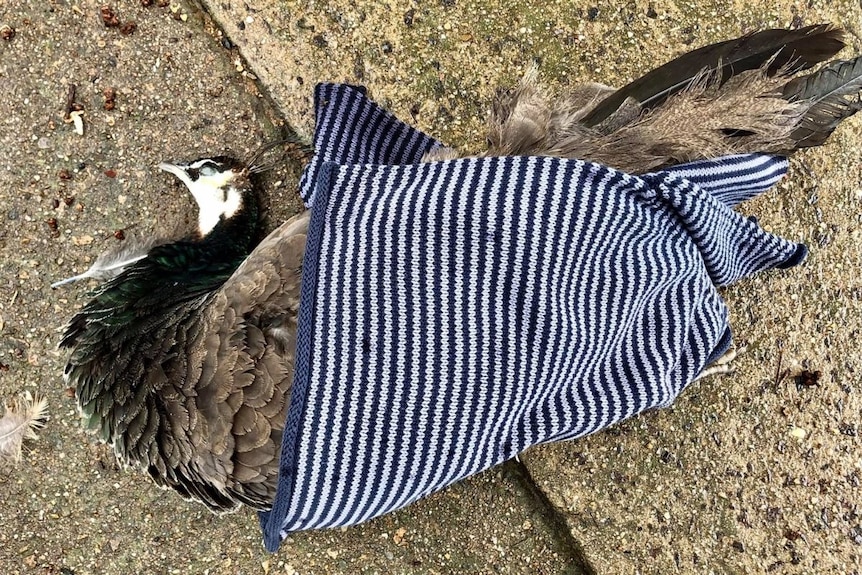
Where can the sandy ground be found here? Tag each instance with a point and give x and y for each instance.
(751, 473)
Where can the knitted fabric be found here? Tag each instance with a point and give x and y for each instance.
(456, 313)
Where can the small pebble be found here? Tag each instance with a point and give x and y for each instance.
(319, 41)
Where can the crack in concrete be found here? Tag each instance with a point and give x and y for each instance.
(554, 519)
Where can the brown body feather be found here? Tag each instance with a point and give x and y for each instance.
(186, 371)
(223, 422)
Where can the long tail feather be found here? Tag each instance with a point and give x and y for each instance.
(834, 93)
(745, 114)
(790, 50)
(751, 112)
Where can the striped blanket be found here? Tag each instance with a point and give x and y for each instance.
(456, 313)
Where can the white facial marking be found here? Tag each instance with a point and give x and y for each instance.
(212, 191)
(215, 203)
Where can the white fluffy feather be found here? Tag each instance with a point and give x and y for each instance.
(21, 420)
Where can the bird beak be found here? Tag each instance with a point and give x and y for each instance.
(177, 171)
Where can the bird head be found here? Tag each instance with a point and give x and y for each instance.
(220, 185)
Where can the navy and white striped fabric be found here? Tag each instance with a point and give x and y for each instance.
(351, 129)
(456, 313)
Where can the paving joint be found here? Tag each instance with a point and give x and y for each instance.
(554, 519)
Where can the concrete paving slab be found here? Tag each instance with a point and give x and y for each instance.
(724, 482)
(179, 93)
